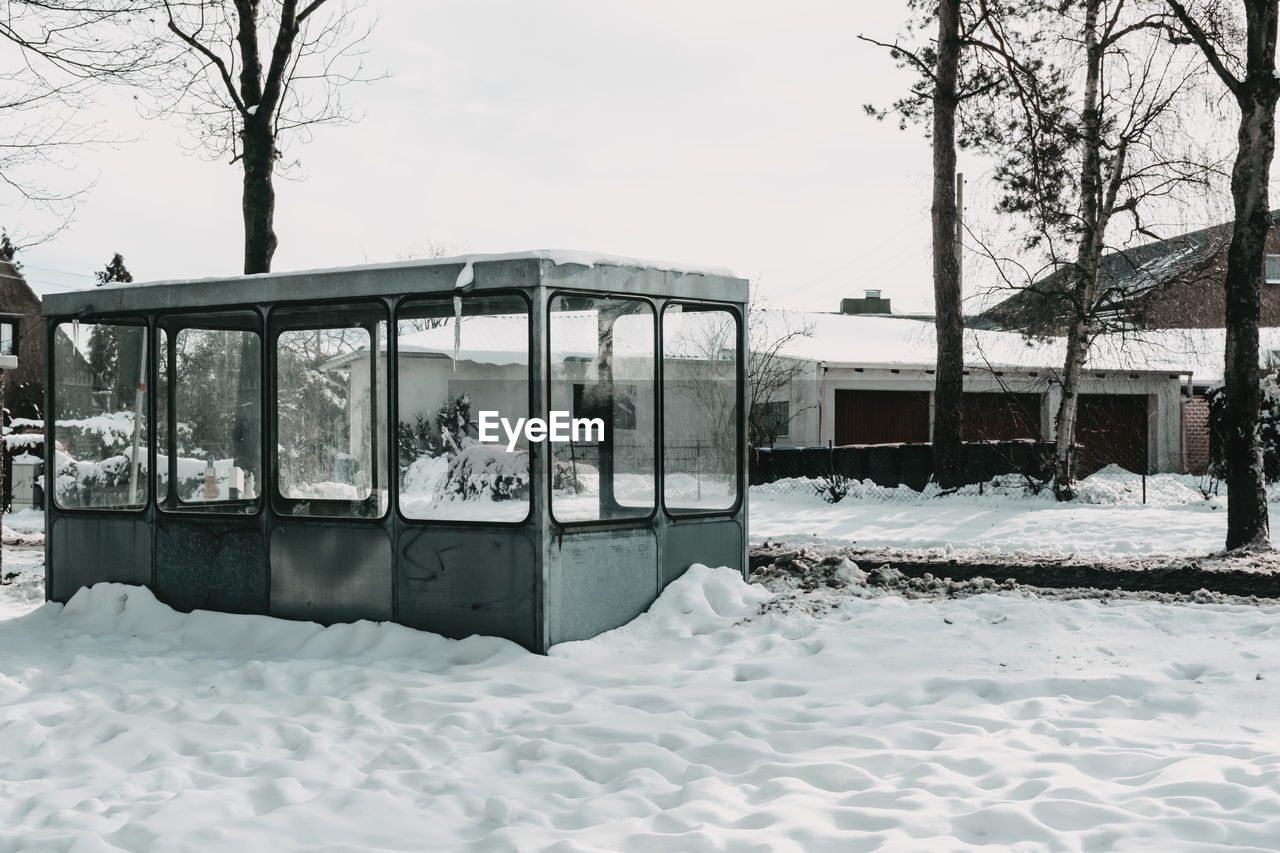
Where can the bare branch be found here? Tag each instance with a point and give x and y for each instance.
(1202, 41)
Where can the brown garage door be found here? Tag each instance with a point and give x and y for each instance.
(998, 416)
(882, 417)
(1111, 428)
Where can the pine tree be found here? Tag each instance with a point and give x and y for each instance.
(114, 271)
(8, 250)
(104, 340)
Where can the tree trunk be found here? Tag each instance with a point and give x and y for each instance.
(258, 202)
(1064, 462)
(1247, 521)
(4, 449)
(1084, 284)
(948, 395)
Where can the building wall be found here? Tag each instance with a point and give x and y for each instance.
(1162, 393)
(24, 386)
(1195, 427)
(1199, 301)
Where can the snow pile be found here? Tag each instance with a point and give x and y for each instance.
(702, 601)
(21, 581)
(1114, 485)
(422, 479)
(714, 722)
(28, 521)
(110, 608)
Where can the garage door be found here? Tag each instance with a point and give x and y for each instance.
(998, 416)
(882, 417)
(1112, 429)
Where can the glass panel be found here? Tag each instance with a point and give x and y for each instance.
(602, 374)
(8, 337)
(1273, 269)
(100, 415)
(217, 420)
(458, 364)
(330, 420)
(162, 416)
(701, 419)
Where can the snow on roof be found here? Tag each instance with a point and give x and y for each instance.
(871, 341)
(504, 338)
(559, 257)
(844, 339)
(1199, 352)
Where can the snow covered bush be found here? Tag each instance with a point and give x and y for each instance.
(92, 458)
(833, 488)
(1268, 427)
(487, 471)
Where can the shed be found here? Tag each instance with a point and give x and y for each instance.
(530, 446)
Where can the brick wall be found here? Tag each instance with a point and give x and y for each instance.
(1195, 435)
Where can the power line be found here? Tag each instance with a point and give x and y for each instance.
(38, 283)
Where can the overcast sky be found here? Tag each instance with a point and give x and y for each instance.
(724, 133)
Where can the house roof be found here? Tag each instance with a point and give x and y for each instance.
(837, 340)
(863, 341)
(1124, 275)
(16, 296)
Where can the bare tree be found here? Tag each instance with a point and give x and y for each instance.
(1094, 134)
(948, 395)
(772, 375)
(954, 69)
(62, 55)
(251, 73)
(1253, 84)
(243, 75)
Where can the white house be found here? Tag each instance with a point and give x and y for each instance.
(869, 379)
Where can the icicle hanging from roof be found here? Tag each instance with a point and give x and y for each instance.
(465, 277)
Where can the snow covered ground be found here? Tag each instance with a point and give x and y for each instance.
(728, 717)
(731, 716)
(1107, 519)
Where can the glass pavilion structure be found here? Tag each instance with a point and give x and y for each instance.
(530, 446)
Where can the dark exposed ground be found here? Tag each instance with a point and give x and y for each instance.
(1249, 575)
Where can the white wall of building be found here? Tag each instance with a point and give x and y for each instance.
(815, 426)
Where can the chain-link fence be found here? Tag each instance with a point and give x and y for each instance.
(880, 471)
(894, 465)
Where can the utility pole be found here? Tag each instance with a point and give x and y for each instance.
(959, 230)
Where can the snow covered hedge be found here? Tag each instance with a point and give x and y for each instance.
(1268, 427)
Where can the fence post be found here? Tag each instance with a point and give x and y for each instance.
(697, 465)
